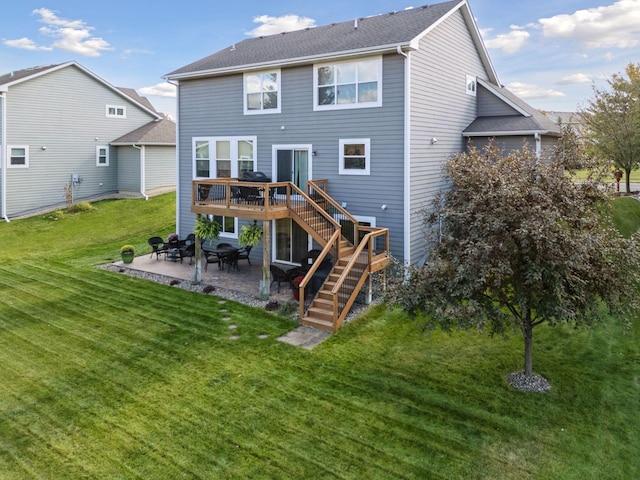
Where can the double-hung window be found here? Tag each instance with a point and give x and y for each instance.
(224, 157)
(18, 156)
(355, 156)
(102, 156)
(354, 84)
(262, 92)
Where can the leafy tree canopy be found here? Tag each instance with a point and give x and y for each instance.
(516, 243)
(612, 119)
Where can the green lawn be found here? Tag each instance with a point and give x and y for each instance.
(105, 376)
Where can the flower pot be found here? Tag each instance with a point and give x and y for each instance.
(127, 257)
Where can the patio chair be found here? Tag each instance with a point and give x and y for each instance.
(243, 253)
(230, 259)
(278, 275)
(188, 247)
(158, 246)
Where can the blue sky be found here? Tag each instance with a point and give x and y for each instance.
(550, 53)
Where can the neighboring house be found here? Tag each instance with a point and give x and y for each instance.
(63, 125)
(571, 119)
(374, 106)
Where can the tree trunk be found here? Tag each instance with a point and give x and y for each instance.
(527, 332)
(627, 172)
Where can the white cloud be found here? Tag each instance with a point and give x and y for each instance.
(160, 90)
(24, 43)
(575, 78)
(70, 35)
(287, 23)
(527, 90)
(616, 25)
(510, 42)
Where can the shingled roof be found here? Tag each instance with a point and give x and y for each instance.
(157, 132)
(375, 34)
(18, 76)
(528, 122)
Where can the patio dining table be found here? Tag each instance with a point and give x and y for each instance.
(219, 252)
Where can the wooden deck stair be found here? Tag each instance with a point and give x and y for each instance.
(320, 313)
(328, 223)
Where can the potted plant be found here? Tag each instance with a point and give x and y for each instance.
(207, 228)
(127, 252)
(250, 235)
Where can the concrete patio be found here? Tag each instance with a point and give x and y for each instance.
(245, 279)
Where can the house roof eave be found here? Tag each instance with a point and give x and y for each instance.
(88, 72)
(508, 133)
(292, 62)
(146, 144)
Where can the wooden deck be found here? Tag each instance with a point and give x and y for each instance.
(330, 225)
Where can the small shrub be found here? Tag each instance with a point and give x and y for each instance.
(57, 215)
(288, 308)
(83, 207)
(127, 249)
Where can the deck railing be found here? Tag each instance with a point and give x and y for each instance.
(232, 192)
(362, 263)
(348, 224)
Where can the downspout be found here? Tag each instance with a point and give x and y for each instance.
(538, 145)
(407, 159)
(178, 189)
(3, 152)
(143, 186)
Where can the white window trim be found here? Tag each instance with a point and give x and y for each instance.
(98, 148)
(367, 157)
(345, 106)
(234, 164)
(234, 146)
(26, 154)
(262, 111)
(471, 80)
(115, 115)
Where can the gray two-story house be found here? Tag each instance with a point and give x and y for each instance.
(62, 125)
(354, 119)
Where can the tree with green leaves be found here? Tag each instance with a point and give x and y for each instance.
(612, 120)
(515, 242)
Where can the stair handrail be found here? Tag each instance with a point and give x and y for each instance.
(335, 239)
(310, 201)
(367, 242)
(320, 191)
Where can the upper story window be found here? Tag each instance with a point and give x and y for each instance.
(262, 92)
(355, 84)
(116, 111)
(471, 85)
(18, 156)
(223, 157)
(355, 156)
(102, 156)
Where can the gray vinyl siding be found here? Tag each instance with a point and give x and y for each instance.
(160, 167)
(65, 111)
(491, 106)
(440, 108)
(129, 169)
(214, 107)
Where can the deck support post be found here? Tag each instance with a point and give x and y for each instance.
(266, 254)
